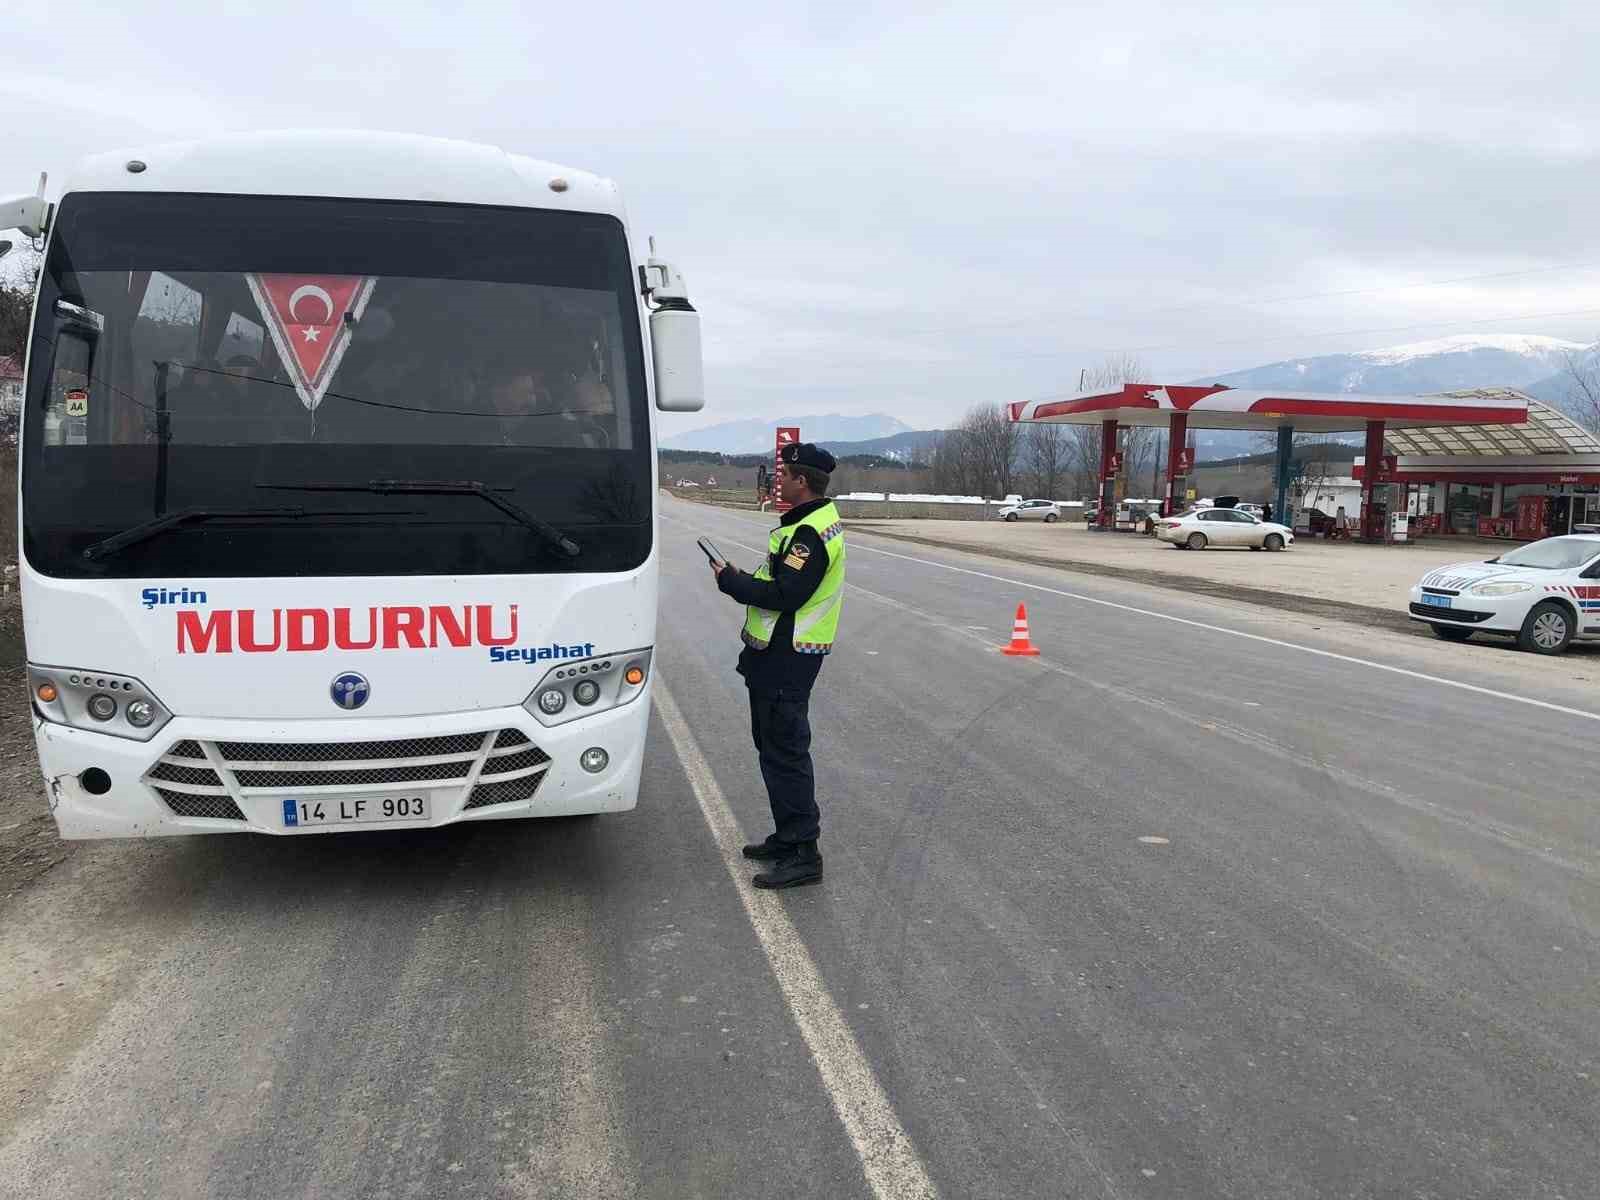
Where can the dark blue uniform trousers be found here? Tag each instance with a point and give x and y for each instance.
(780, 725)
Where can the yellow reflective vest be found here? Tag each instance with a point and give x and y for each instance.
(817, 621)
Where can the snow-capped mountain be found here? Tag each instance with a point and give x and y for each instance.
(756, 436)
(1558, 389)
(1529, 362)
(1445, 364)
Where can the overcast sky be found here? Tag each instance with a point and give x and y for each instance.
(908, 210)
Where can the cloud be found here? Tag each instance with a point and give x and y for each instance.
(910, 210)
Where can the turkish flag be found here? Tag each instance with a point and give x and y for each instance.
(311, 318)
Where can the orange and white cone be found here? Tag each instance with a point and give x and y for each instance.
(1020, 645)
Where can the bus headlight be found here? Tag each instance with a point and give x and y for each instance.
(593, 685)
(115, 704)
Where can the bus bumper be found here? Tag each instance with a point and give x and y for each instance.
(160, 788)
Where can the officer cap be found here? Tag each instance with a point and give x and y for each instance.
(806, 454)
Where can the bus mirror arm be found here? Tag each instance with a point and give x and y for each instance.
(30, 214)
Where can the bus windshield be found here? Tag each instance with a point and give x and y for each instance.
(236, 354)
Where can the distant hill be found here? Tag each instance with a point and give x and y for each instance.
(757, 435)
(1529, 362)
(915, 445)
(1556, 389)
(1513, 360)
(1329, 451)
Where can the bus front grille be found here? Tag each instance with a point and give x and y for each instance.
(197, 778)
(327, 775)
(507, 792)
(184, 804)
(334, 753)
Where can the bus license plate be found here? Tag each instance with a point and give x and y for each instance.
(354, 810)
(1436, 601)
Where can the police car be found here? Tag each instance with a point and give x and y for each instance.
(1545, 594)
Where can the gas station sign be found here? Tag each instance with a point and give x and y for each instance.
(788, 435)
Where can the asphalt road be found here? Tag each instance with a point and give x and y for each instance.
(1362, 960)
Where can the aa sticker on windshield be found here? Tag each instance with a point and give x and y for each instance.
(77, 403)
(311, 318)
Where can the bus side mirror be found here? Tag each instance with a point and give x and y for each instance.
(675, 349)
(674, 337)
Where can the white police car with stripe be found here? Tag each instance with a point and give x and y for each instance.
(1545, 594)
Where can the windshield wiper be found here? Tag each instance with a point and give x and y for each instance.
(443, 487)
(146, 530)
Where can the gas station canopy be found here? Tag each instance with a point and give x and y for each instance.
(1181, 407)
(1547, 431)
(1215, 406)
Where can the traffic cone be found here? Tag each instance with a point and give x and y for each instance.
(1020, 645)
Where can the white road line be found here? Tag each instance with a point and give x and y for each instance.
(1238, 633)
(888, 1158)
(1250, 637)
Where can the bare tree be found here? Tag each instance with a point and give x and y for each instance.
(1140, 448)
(950, 464)
(1314, 469)
(1117, 369)
(18, 277)
(1083, 458)
(1140, 444)
(1047, 452)
(1581, 373)
(1309, 456)
(990, 439)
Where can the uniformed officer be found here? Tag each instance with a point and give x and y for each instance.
(791, 616)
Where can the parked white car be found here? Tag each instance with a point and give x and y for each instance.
(1545, 594)
(1031, 510)
(1200, 528)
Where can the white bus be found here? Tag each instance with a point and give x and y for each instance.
(338, 489)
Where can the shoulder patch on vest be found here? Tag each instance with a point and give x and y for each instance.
(799, 550)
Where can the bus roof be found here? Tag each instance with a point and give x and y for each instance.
(358, 164)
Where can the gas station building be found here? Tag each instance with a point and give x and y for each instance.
(1455, 422)
(1526, 481)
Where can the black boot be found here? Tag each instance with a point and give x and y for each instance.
(801, 866)
(768, 850)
